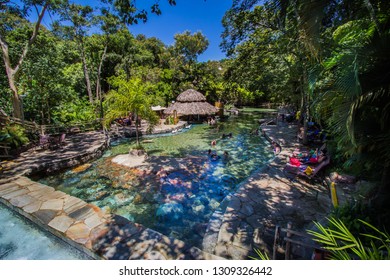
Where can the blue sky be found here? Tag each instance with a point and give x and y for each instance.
(192, 15)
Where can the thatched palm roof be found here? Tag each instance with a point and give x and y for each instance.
(190, 95)
(191, 102)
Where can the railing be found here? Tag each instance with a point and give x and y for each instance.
(289, 240)
(70, 129)
(29, 126)
(52, 129)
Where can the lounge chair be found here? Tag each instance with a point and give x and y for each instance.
(306, 151)
(44, 141)
(298, 170)
(57, 142)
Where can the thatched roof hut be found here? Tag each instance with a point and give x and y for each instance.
(191, 102)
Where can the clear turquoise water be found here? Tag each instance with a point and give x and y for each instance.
(22, 240)
(180, 205)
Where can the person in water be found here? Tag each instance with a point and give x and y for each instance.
(225, 155)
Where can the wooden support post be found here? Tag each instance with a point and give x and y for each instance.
(276, 242)
(288, 243)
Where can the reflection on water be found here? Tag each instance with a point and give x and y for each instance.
(21, 240)
(180, 204)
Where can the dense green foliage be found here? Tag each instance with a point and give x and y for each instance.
(329, 58)
(64, 75)
(14, 135)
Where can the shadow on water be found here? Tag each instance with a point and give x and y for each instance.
(181, 204)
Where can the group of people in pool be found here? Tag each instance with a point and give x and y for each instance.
(214, 156)
(228, 135)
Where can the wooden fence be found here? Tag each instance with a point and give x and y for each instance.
(52, 129)
(287, 238)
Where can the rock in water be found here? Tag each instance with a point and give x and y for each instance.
(170, 211)
(137, 199)
(81, 168)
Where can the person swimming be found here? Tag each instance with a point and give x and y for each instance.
(225, 155)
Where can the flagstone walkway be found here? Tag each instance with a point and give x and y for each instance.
(88, 228)
(78, 148)
(247, 218)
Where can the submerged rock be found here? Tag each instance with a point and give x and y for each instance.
(170, 211)
(137, 199)
(81, 168)
(101, 195)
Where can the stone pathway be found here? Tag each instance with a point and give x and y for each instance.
(88, 228)
(247, 218)
(78, 148)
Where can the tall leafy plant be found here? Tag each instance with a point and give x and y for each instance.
(343, 245)
(129, 96)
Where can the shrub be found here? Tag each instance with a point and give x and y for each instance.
(14, 135)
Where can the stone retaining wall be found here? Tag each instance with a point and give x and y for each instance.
(87, 228)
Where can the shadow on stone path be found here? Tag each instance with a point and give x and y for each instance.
(268, 198)
(78, 149)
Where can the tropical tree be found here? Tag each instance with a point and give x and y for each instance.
(80, 18)
(129, 96)
(273, 56)
(355, 99)
(190, 46)
(12, 18)
(15, 15)
(336, 56)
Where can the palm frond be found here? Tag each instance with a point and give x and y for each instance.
(344, 245)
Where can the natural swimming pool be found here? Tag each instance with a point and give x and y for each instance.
(180, 205)
(22, 240)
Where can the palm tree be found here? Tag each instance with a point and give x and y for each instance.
(357, 102)
(129, 96)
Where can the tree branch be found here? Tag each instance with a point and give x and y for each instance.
(32, 38)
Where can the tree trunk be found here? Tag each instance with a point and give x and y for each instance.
(136, 128)
(86, 73)
(16, 100)
(305, 109)
(12, 72)
(98, 87)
